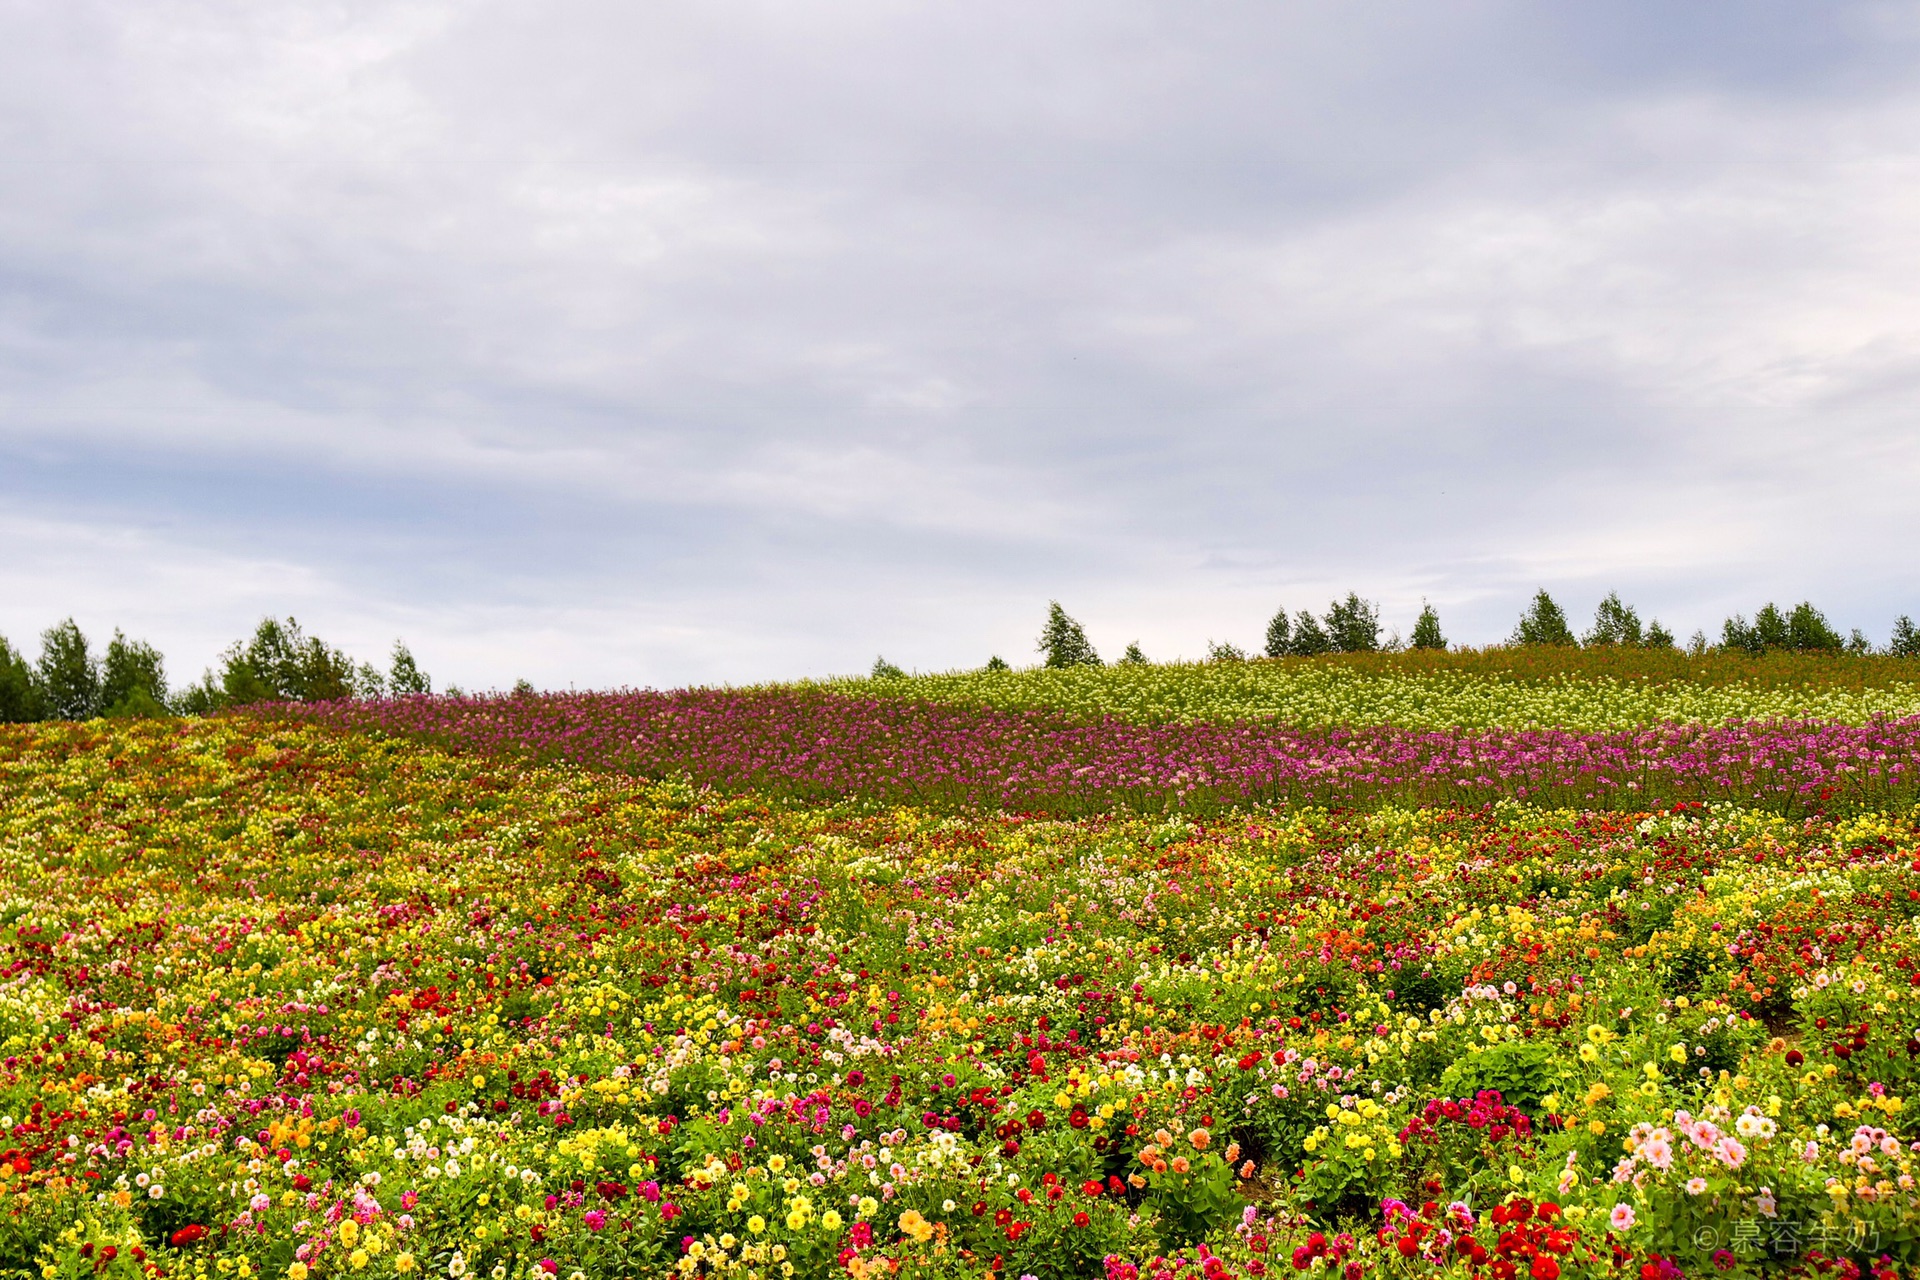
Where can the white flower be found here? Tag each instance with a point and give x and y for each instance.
(457, 1266)
(1696, 1186)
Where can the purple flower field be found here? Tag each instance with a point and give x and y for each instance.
(818, 746)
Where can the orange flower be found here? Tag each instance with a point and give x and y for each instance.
(1200, 1139)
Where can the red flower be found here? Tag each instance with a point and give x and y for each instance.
(1081, 1219)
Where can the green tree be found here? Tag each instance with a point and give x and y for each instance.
(1658, 637)
(1279, 635)
(1133, 657)
(1803, 630)
(1906, 638)
(69, 673)
(133, 679)
(522, 688)
(884, 670)
(1808, 631)
(1426, 630)
(405, 678)
(1353, 624)
(1225, 651)
(20, 699)
(283, 664)
(1065, 642)
(1614, 623)
(1543, 623)
(1310, 639)
(997, 663)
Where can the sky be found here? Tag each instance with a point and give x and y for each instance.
(602, 344)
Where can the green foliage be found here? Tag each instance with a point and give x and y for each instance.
(1279, 635)
(405, 678)
(283, 664)
(1310, 639)
(1803, 630)
(1353, 625)
(1544, 623)
(20, 699)
(1133, 657)
(998, 663)
(69, 675)
(884, 670)
(1614, 623)
(1225, 651)
(1426, 630)
(523, 688)
(1906, 638)
(1658, 637)
(1065, 642)
(133, 678)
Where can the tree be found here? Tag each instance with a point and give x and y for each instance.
(283, 664)
(1426, 631)
(884, 670)
(406, 679)
(69, 674)
(1065, 642)
(1803, 630)
(1225, 651)
(1353, 624)
(20, 699)
(1658, 637)
(1279, 635)
(997, 663)
(1309, 637)
(522, 688)
(1808, 631)
(1906, 638)
(1614, 623)
(133, 678)
(1133, 657)
(1543, 623)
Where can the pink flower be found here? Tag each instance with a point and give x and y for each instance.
(595, 1219)
(1622, 1218)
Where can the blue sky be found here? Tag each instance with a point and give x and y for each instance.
(609, 344)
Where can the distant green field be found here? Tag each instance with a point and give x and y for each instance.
(1574, 689)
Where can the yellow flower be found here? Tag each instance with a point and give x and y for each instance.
(776, 1164)
(403, 1263)
(756, 1224)
(358, 1258)
(297, 1271)
(830, 1220)
(349, 1232)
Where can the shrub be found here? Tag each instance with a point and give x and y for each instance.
(1065, 642)
(1543, 624)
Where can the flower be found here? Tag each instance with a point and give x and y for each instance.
(403, 1263)
(1622, 1218)
(297, 1271)
(1696, 1186)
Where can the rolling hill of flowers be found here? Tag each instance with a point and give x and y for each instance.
(804, 982)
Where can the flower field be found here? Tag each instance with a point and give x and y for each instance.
(1582, 690)
(500, 987)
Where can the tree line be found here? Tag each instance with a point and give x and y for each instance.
(1353, 625)
(278, 663)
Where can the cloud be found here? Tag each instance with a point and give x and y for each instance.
(615, 345)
